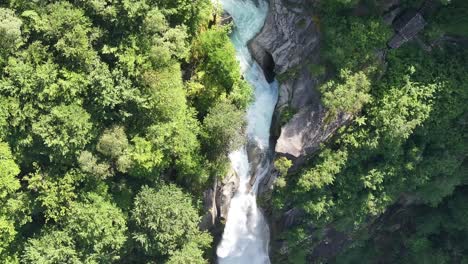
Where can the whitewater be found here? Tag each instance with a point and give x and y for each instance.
(246, 234)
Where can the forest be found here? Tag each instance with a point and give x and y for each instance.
(114, 116)
(407, 143)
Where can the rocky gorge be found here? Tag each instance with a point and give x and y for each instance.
(289, 47)
(286, 48)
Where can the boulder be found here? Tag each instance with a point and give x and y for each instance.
(225, 190)
(304, 133)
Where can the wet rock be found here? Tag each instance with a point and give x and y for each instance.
(259, 164)
(226, 18)
(265, 187)
(292, 217)
(216, 201)
(291, 37)
(225, 190)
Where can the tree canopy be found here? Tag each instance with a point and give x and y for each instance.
(96, 102)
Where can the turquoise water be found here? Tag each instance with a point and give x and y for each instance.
(246, 233)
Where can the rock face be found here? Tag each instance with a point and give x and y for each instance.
(216, 201)
(303, 134)
(225, 191)
(208, 220)
(289, 35)
(290, 39)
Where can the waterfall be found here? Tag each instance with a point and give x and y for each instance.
(246, 233)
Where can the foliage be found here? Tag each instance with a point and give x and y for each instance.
(94, 104)
(53, 247)
(92, 232)
(65, 131)
(221, 134)
(352, 42)
(451, 20)
(14, 210)
(282, 165)
(53, 194)
(218, 71)
(407, 143)
(426, 234)
(10, 33)
(166, 224)
(348, 96)
(409, 140)
(113, 142)
(286, 115)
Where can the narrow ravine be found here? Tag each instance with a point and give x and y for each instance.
(246, 233)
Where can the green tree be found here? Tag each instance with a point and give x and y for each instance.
(14, 209)
(403, 108)
(347, 96)
(351, 42)
(190, 253)
(52, 247)
(111, 96)
(53, 194)
(68, 29)
(93, 89)
(165, 222)
(282, 165)
(92, 232)
(10, 33)
(166, 94)
(223, 129)
(217, 70)
(113, 142)
(65, 131)
(170, 145)
(98, 228)
(89, 164)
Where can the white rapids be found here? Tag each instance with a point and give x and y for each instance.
(246, 233)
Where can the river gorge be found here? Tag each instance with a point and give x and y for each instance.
(246, 233)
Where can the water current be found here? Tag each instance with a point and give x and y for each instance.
(246, 233)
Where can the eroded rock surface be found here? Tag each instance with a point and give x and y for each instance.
(225, 190)
(216, 201)
(308, 128)
(291, 38)
(289, 35)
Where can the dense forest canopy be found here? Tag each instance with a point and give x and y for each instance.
(407, 142)
(114, 115)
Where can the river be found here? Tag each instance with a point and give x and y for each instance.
(246, 234)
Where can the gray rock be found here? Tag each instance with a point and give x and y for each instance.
(216, 201)
(267, 183)
(289, 36)
(208, 221)
(390, 16)
(226, 18)
(292, 40)
(303, 134)
(225, 190)
(299, 92)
